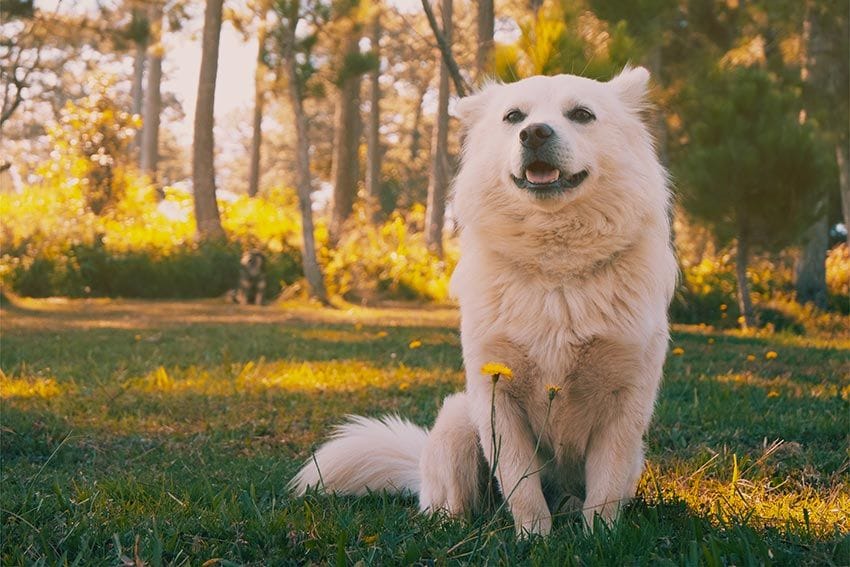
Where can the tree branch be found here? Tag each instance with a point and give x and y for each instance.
(461, 86)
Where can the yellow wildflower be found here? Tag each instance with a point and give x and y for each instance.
(741, 320)
(773, 394)
(415, 344)
(553, 390)
(770, 355)
(711, 340)
(678, 351)
(370, 539)
(382, 334)
(496, 369)
(723, 307)
(138, 337)
(751, 357)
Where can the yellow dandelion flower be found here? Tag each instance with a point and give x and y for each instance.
(497, 369)
(404, 386)
(553, 390)
(711, 340)
(741, 320)
(723, 307)
(723, 315)
(751, 357)
(415, 344)
(770, 355)
(138, 337)
(773, 394)
(678, 351)
(370, 539)
(382, 334)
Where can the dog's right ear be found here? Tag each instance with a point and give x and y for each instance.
(470, 108)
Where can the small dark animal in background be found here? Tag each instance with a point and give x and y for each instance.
(252, 278)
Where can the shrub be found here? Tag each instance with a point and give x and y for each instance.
(53, 244)
(838, 278)
(389, 260)
(706, 294)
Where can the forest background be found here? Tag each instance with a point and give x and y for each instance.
(336, 152)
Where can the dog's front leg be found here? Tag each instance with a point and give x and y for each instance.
(516, 464)
(612, 469)
(624, 385)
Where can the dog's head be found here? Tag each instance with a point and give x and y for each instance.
(544, 142)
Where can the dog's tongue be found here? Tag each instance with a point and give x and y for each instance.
(542, 174)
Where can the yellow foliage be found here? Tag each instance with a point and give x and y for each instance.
(31, 387)
(53, 218)
(390, 259)
(838, 270)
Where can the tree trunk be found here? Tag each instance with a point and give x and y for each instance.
(346, 141)
(653, 64)
(149, 155)
(486, 27)
(842, 158)
(438, 183)
(810, 268)
(203, 168)
(137, 88)
(745, 302)
(153, 108)
(444, 44)
(259, 99)
(310, 263)
(373, 133)
(415, 134)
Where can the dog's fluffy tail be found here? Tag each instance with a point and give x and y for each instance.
(366, 454)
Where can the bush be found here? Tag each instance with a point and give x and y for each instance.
(838, 279)
(54, 245)
(706, 294)
(386, 261)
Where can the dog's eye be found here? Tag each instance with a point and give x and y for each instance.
(581, 115)
(514, 116)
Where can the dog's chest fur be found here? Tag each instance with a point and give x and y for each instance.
(558, 294)
(583, 314)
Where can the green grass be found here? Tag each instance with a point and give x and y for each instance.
(165, 432)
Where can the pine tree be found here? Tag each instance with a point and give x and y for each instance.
(748, 168)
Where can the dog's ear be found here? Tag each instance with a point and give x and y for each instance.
(470, 108)
(632, 86)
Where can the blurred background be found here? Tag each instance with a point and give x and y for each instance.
(147, 145)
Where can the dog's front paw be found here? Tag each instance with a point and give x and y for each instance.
(538, 524)
(606, 514)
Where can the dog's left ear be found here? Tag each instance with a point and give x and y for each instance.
(632, 86)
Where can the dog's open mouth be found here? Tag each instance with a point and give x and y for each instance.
(544, 179)
(541, 173)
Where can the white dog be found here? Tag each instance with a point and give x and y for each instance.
(565, 277)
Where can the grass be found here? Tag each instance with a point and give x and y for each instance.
(164, 433)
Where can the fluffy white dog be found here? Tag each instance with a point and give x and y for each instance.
(565, 277)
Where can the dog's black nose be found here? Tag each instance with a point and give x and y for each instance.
(535, 135)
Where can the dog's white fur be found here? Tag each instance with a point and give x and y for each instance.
(569, 291)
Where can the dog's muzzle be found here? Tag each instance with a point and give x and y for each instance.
(540, 155)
